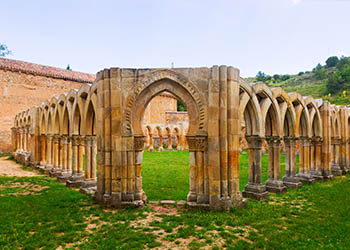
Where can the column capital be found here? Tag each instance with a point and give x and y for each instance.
(93, 139)
(64, 139)
(56, 138)
(254, 141)
(49, 136)
(87, 140)
(197, 143)
(75, 140)
(273, 140)
(139, 142)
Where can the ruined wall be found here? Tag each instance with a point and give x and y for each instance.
(156, 109)
(20, 91)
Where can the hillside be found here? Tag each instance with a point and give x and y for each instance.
(330, 81)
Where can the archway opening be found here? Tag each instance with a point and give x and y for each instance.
(165, 163)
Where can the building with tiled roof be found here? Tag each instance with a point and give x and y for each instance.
(48, 71)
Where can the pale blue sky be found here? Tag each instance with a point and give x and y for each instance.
(275, 36)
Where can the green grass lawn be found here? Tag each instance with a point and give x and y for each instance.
(166, 174)
(39, 213)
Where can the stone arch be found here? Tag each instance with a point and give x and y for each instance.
(250, 110)
(155, 83)
(302, 121)
(90, 115)
(315, 116)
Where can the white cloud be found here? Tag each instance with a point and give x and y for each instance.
(296, 1)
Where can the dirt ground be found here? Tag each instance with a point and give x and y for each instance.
(11, 168)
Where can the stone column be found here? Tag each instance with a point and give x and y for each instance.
(326, 145)
(93, 157)
(254, 189)
(290, 179)
(77, 176)
(81, 149)
(56, 170)
(198, 193)
(304, 174)
(160, 149)
(87, 142)
(317, 170)
(178, 145)
(138, 146)
(18, 134)
(150, 148)
(274, 184)
(69, 154)
(65, 174)
(170, 142)
(336, 170)
(43, 150)
(24, 139)
(49, 164)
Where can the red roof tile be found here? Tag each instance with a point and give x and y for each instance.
(37, 69)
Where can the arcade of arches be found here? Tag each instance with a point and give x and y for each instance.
(104, 121)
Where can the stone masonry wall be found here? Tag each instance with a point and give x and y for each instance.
(20, 91)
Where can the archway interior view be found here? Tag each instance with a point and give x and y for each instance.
(165, 164)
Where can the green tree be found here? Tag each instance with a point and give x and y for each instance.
(68, 67)
(332, 61)
(181, 106)
(4, 51)
(261, 76)
(319, 66)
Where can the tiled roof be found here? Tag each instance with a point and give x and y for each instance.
(37, 69)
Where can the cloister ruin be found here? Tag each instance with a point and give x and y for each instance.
(104, 121)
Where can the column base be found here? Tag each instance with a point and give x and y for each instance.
(64, 176)
(150, 149)
(317, 175)
(170, 149)
(115, 200)
(48, 168)
(255, 191)
(305, 178)
(275, 186)
(336, 170)
(75, 180)
(88, 190)
(89, 183)
(160, 149)
(291, 182)
(327, 175)
(55, 172)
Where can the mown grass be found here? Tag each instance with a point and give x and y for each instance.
(166, 174)
(38, 213)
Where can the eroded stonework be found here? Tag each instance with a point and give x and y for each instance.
(105, 121)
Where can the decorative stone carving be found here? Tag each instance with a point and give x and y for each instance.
(139, 142)
(197, 143)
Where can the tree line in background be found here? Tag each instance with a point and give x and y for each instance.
(335, 73)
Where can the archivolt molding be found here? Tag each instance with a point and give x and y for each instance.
(156, 76)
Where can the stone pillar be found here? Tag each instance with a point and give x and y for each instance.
(170, 142)
(336, 170)
(66, 173)
(77, 174)
(14, 139)
(81, 149)
(56, 170)
(89, 183)
(138, 145)
(49, 163)
(274, 184)
(87, 142)
(178, 143)
(69, 154)
(316, 172)
(150, 148)
(43, 146)
(304, 174)
(290, 179)
(254, 189)
(18, 134)
(25, 139)
(160, 149)
(93, 157)
(326, 145)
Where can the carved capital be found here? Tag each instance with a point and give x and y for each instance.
(87, 140)
(197, 143)
(254, 141)
(139, 142)
(273, 141)
(64, 139)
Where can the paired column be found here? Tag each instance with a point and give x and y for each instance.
(90, 162)
(304, 174)
(77, 162)
(170, 142)
(254, 188)
(150, 148)
(336, 170)
(290, 179)
(274, 184)
(43, 150)
(160, 149)
(316, 156)
(49, 164)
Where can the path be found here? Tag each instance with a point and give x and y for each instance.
(10, 168)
